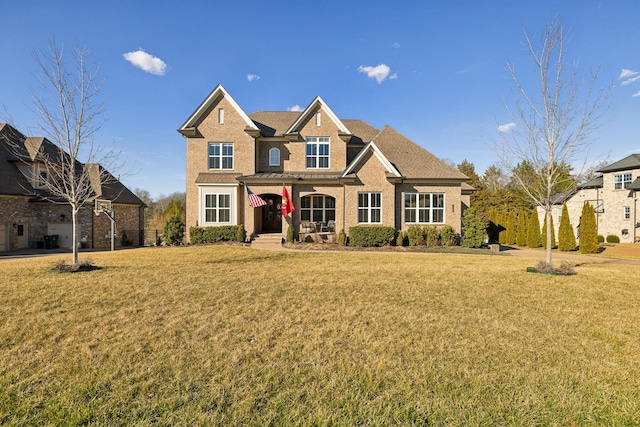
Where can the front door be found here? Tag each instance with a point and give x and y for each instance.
(23, 238)
(272, 214)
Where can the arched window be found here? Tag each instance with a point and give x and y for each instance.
(274, 157)
(317, 208)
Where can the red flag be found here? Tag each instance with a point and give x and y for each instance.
(287, 204)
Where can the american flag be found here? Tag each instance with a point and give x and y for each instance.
(254, 200)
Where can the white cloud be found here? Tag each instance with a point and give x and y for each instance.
(506, 128)
(629, 81)
(396, 45)
(147, 63)
(295, 108)
(625, 74)
(252, 77)
(636, 94)
(379, 72)
(393, 76)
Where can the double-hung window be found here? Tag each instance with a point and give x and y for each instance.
(318, 152)
(217, 208)
(424, 208)
(317, 208)
(627, 212)
(369, 208)
(622, 181)
(220, 155)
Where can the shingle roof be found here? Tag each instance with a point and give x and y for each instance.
(12, 181)
(411, 160)
(629, 162)
(274, 123)
(16, 149)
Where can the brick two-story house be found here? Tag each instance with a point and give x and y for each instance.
(613, 194)
(336, 171)
(29, 213)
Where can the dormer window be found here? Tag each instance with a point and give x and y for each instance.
(318, 152)
(274, 157)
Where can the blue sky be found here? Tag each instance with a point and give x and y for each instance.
(433, 70)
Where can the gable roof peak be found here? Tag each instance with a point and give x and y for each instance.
(218, 93)
(307, 112)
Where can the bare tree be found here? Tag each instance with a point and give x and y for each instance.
(67, 103)
(554, 119)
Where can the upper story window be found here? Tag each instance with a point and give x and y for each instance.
(318, 152)
(622, 181)
(424, 208)
(369, 208)
(220, 155)
(274, 157)
(627, 212)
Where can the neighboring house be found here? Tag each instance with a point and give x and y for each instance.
(338, 173)
(28, 213)
(614, 197)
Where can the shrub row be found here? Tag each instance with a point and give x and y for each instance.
(429, 235)
(371, 235)
(225, 233)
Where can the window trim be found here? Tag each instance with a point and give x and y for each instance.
(620, 181)
(318, 142)
(313, 209)
(217, 209)
(220, 157)
(369, 209)
(431, 209)
(626, 213)
(272, 153)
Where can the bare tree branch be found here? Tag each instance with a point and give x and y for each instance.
(554, 118)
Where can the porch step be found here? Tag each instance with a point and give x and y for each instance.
(271, 241)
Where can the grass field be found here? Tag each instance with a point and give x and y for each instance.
(224, 335)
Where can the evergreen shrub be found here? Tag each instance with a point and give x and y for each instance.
(600, 238)
(534, 239)
(431, 235)
(473, 229)
(588, 230)
(612, 238)
(566, 237)
(521, 230)
(173, 232)
(414, 235)
(448, 236)
(224, 233)
(365, 236)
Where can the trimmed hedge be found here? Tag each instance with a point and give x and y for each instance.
(378, 235)
(612, 238)
(224, 233)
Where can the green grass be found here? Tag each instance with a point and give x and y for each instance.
(223, 335)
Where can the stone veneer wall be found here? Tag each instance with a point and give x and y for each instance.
(37, 216)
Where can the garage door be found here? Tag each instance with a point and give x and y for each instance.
(64, 232)
(3, 237)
